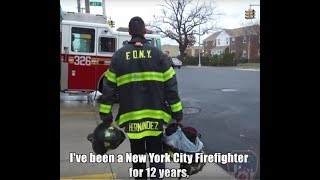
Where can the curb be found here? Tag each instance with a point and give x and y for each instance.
(91, 176)
(78, 113)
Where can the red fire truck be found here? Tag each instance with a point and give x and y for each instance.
(87, 45)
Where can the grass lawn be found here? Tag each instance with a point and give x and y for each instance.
(249, 65)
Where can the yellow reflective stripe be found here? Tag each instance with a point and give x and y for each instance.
(176, 107)
(145, 76)
(143, 134)
(140, 76)
(111, 76)
(146, 113)
(168, 74)
(105, 108)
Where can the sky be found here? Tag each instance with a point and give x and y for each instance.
(121, 11)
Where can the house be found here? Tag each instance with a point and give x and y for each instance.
(244, 42)
(222, 42)
(173, 49)
(193, 51)
(210, 43)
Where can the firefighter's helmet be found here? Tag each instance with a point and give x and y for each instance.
(105, 138)
(179, 139)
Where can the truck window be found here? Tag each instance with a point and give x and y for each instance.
(159, 44)
(151, 41)
(107, 44)
(82, 40)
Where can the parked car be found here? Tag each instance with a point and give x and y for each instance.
(176, 63)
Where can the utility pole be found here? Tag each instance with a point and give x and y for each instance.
(199, 65)
(249, 48)
(104, 8)
(254, 5)
(79, 6)
(87, 5)
(252, 10)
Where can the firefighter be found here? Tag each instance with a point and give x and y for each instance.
(171, 61)
(148, 94)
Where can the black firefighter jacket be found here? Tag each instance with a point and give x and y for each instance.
(147, 87)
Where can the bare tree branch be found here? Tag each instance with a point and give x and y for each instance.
(180, 19)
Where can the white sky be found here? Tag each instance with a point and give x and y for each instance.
(121, 11)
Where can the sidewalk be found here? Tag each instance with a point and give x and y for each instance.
(76, 123)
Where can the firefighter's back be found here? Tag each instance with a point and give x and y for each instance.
(140, 69)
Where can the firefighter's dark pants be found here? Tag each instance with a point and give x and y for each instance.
(147, 145)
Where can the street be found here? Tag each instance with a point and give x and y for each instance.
(228, 102)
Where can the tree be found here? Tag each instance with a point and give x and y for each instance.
(180, 20)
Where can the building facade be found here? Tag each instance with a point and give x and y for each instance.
(173, 50)
(244, 42)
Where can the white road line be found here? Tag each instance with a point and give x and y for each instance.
(248, 69)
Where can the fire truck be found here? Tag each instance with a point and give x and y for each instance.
(87, 45)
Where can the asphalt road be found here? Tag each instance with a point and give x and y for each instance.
(228, 102)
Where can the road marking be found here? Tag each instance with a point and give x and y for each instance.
(91, 176)
(248, 69)
(77, 113)
(228, 90)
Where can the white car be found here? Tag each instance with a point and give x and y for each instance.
(176, 63)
